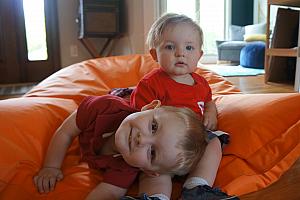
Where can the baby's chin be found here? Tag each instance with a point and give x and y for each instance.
(121, 144)
(118, 143)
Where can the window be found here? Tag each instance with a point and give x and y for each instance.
(211, 16)
(35, 29)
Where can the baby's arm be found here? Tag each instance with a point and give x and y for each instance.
(50, 173)
(208, 165)
(105, 191)
(210, 115)
(156, 185)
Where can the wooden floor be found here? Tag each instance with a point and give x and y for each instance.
(14, 90)
(256, 84)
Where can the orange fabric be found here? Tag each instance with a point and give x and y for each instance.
(264, 129)
(265, 135)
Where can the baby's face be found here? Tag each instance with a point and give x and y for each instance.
(148, 139)
(180, 50)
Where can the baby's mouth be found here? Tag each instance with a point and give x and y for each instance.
(180, 63)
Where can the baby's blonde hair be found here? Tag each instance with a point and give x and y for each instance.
(158, 27)
(193, 142)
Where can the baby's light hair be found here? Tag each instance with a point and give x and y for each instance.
(155, 33)
(192, 144)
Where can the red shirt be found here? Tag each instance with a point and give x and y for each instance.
(96, 116)
(158, 85)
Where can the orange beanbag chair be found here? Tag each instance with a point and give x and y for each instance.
(264, 128)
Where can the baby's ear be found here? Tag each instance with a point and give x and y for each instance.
(152, 105)
(153, 54)
(151, 173)
(201, 54)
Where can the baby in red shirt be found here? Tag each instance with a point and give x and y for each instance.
(175, 42)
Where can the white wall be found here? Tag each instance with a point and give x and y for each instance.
(139, 15)
(67, 13)
(132, 41)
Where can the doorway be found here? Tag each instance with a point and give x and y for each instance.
(29, 42)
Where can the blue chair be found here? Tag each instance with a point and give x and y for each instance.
(253, 55)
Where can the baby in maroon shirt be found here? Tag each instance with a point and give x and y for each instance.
(120, 141)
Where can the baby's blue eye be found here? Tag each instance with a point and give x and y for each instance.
(169, 47)
(189, 48)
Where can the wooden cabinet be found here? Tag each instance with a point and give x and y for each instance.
(282, 52)
(100, 19)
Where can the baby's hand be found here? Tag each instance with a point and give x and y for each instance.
(46, 179)
(210, 121)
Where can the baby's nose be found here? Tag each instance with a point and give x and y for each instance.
(179, 52)
(143, 140)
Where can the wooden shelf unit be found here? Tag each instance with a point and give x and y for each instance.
(293, 3)
(105, 50)
(284, 52)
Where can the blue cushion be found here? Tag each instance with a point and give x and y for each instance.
(253, 55)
